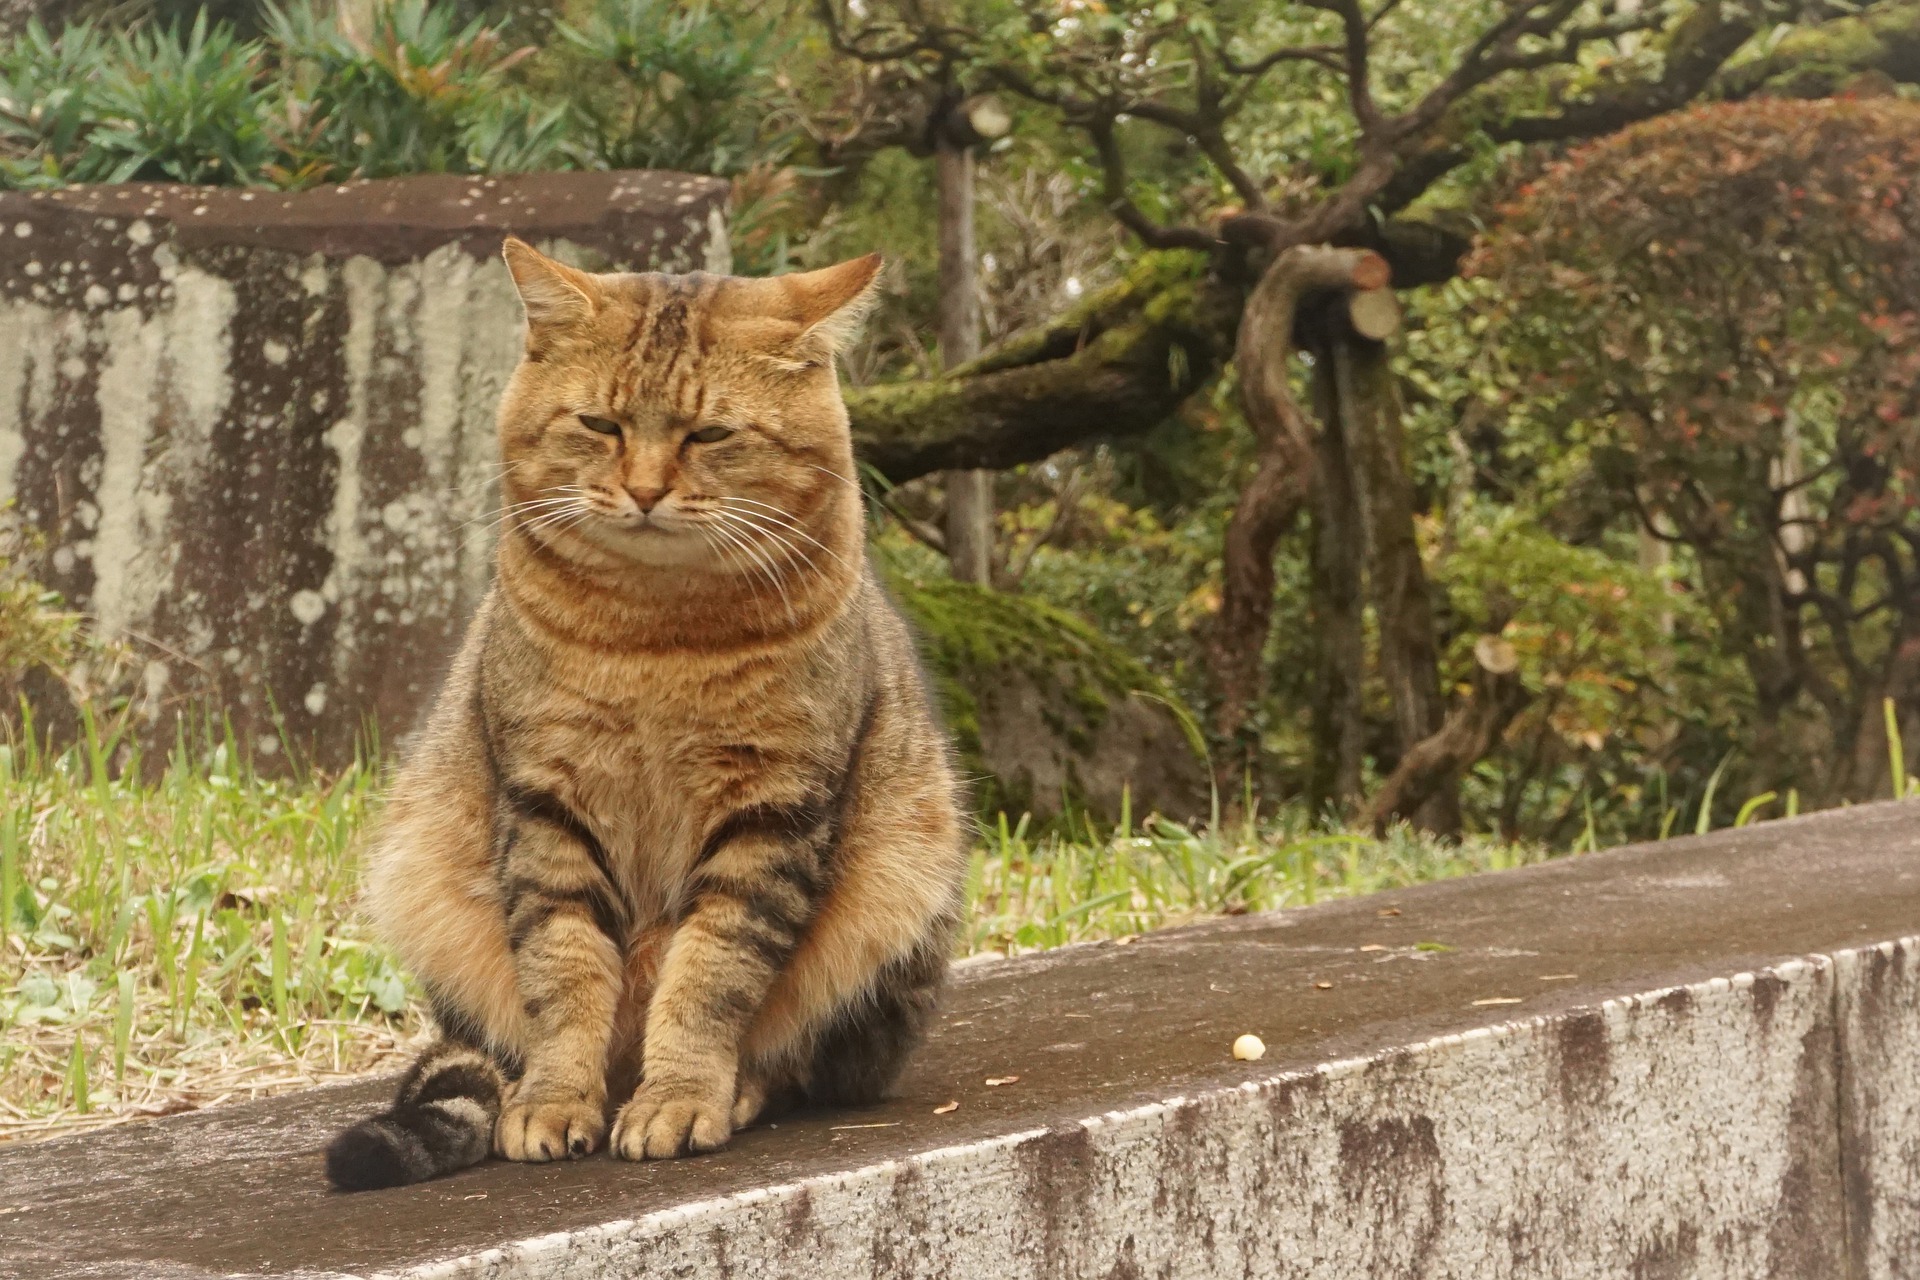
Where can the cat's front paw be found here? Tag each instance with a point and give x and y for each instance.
(672, 1119)
(537, 1126)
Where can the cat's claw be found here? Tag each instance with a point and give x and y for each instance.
(660, 1123)
(537, 1130)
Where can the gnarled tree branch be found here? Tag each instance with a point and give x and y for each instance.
(1284, 476)
(1470, 731)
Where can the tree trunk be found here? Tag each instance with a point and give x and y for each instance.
(1284, 475)
(1337, 604)
(1368, 414)
(969, 492)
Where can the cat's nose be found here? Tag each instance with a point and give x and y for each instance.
(646, 499)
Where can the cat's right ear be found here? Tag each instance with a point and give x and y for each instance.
(556, 296)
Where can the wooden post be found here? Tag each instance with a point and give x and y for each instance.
(957, 131)
(969, 493)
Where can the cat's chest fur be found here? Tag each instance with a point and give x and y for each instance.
(652, 754)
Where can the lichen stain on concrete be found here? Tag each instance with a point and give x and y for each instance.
(1879, 1108)
(1671, 1255)
(1766, 994)
(259, 435)
(1584, 1060)
(1808, 1197)
(797, 1222)
(901, 1240)
(1057, 1169)
(1289, 1096)
(1392, 1172)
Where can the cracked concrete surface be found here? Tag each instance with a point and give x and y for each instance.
(1707, 1069)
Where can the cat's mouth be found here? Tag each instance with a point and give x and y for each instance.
(658, 521)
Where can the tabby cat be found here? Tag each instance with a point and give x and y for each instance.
(681, 837)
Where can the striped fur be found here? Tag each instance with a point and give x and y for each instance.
(681, 840)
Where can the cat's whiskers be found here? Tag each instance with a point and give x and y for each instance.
(720, 539)
(494, 520)
(576, 511)
(758, 557)
(795, 557)
(492, 473)
(708, 535)
(829, 471)
(500, 514)
(786, 520)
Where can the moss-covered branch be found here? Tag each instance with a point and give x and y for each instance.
(1117, 364)
(1814, 62)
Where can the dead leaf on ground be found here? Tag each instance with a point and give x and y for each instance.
(1324, 986)
(946, 1107)
(1499, 1000)
(994, 1082)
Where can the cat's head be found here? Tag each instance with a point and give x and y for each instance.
(681, 419)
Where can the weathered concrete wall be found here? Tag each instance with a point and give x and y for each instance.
(1709, 1067)
(258, 427)
(1684, 1132)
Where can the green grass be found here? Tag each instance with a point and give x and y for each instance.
(1031, 894)
(173, 943)
(178, 941)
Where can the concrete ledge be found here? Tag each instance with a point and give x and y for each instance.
(1727, 1086)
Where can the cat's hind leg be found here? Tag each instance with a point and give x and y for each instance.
(860, 991)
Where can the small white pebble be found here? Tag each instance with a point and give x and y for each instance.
(1249, 1048)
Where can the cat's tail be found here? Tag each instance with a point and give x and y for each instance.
(441, 1120)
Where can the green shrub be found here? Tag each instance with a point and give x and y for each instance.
(189, 108)
(421, 89)
(416, 93)
(49, 104)
(1709, 329)
(689, 89)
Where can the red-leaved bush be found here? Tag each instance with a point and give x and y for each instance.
(1721, 309)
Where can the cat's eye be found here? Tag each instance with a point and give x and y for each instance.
(710, 435)
(605, 426)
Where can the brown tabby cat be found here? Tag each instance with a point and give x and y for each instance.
(681, 836)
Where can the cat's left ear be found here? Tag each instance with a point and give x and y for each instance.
(830, 305)
(556, 297)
